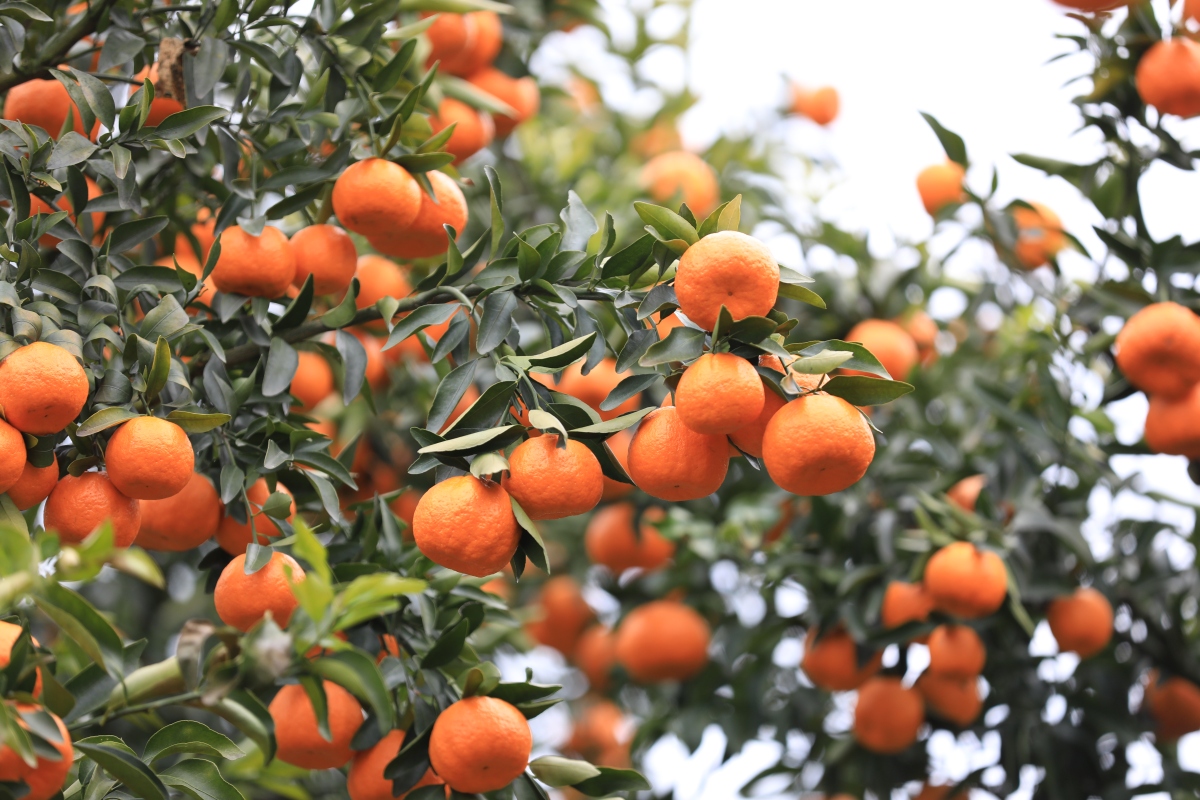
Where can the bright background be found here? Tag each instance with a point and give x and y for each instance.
(979, 66)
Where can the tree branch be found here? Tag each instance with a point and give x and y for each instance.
(56, 49)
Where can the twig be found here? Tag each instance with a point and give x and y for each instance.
(56, 50)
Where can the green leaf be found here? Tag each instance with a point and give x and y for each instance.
(667, 222)
(682, 344)
(160, 369)
(862, 391)
(486, 464)
(166, 319)
(478, 442)
(952, 143)
(200, 779)
(822, 363)
(282, 362)
(185, 123)
(71, 149)
(545, 421)
(83, 623)
(105, 419)
(602, 430)
(354, 365)
(418, 320)
(189, 736)
(861, 358)
(341, 315)
(449, 392)
(556, 358)
(801, 293)
(611, 780)
(448, 645)
(357, 673)
(629, 259)
(129, 770)
(496, 320)
(558, 772)
(129, 235)
(529, 261)
(196, 422)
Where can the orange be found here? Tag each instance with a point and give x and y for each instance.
(601, 728)
(160, 107)
(1081, 622)
(186, 259)
(519, 93)
(956, 651)
(480, 744)
(299, 741)
(655, 140)
(327, 253)
(447, 35)
(888, 716)
(924, 331)
(473, 130)
(941, 185)
(374, 195)
(234, 536)
(42, 388)
(42, 104)
(9, 633)
(595, 655)
(832, 663)
(77, 506)
(663, 640)
(1168, 77)
(1191, 11)
(563, 614)
(1173, 425)
(313, 381)
(728, 269)
(817, 444)
(591, 388)
(1158, 349)
(719, 393)
(820, 105)
(966, 581)
(484, 38)
(13, 462)
(965, 493)
(243, 600)
(670, 461)
(552, 482)
(35, 483)
(904, 603)
(618, 443)
(254, 266)
(150, 458)
(46, 778)
(186, 520)
(467, 525)
(379, 278)
(952, 698)
(425, 236)
(1175, 705)
(888, 342)
(610, 540)
(749, 437)
(366, 781)
(1039, 235)
(679, 174)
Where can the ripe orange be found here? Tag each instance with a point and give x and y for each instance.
(9, 633)
(941, 185)
(832, 661)
(820, 105)
(467, 525)
(254, 266)
(473, 130)
(924, 331)
(186, 520)
(373, 196)
(595, 655)
(234, 536)
(313, 381)
(77, 506)
(966, 581)
(719, 393)
(1158, 349)
(1081, 622)
(480, 744)
(953, 698)
(956, 651)
(679, 174)
(728, 269)
(378, 278)
(663, 640)
(43, 104)
(425, 236)
(659, 138)
(552, 482)
(602, 728)
(610, 540)
(520, 93)
(903, 603)
(888, 342)
(888, 716)
(965, 493)
(299, 741)
(1172, 424)
(749, 437)
(42, 388)
(1039, 235)
(46, 778)
(366, 781)
(13, 462)
(817, 444)
(447, 35)
(1175, 705)
(35, 483)
(243, 600)
(591, 388)
(563, 614)
(186, 259)
(670, 461)
(484, 38)
(1168, 77)
(150, 458)
(327, 253)
(618, 443)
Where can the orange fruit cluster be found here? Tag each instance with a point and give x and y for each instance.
(46, 777)
(1168, 77)
(1157, 352)
(678, 174)
(820, 105)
